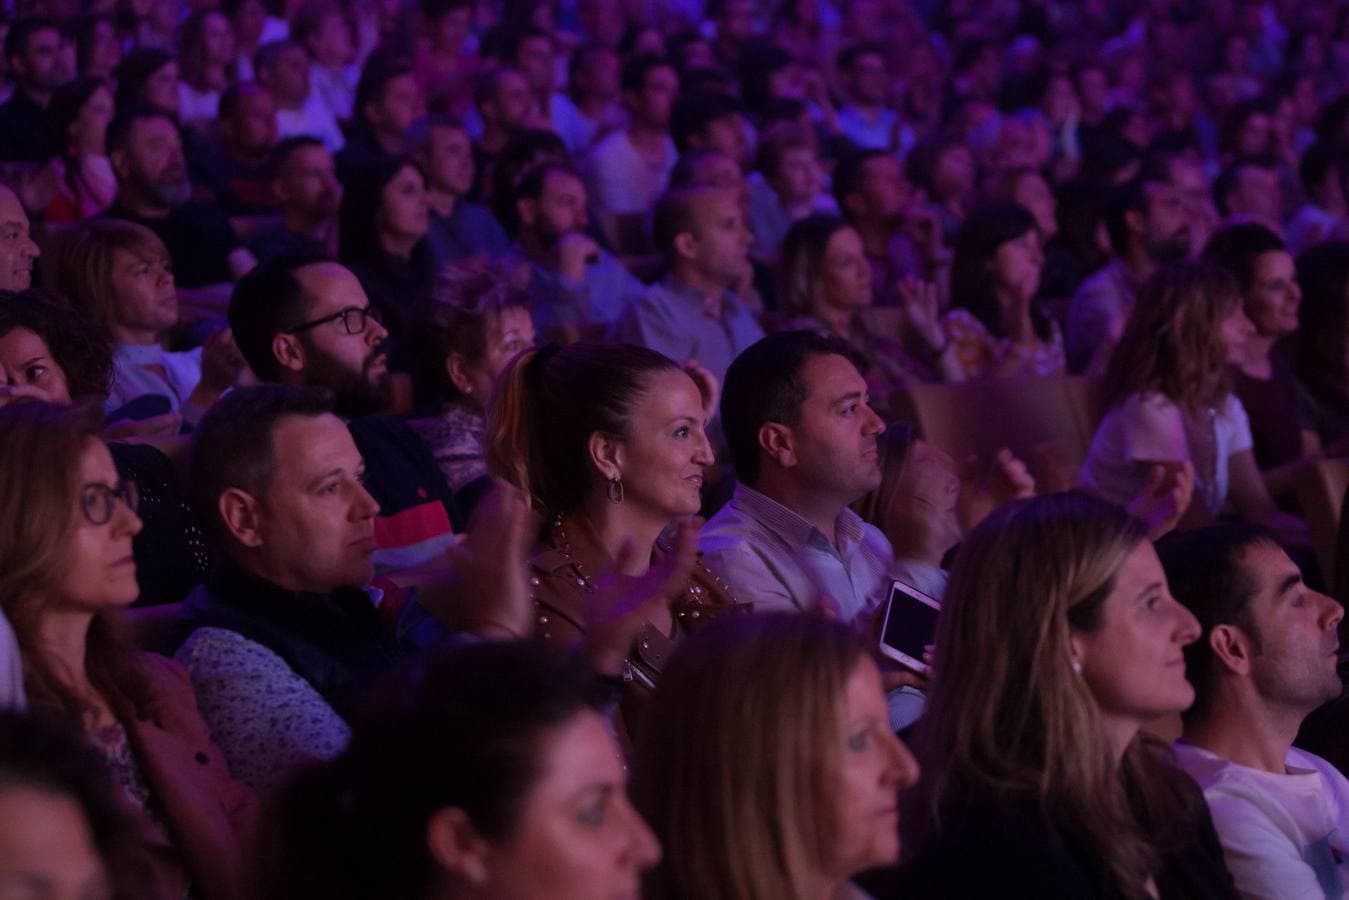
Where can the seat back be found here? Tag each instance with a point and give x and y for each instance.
(1320, 492)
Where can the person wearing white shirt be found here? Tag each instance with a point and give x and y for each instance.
(284, 69)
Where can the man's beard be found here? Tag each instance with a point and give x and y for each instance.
(355, 393)
(172, 194)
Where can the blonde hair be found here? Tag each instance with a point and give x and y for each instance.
(736, 763)
(84, 271)
(1008, 721)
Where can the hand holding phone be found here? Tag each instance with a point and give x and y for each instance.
(909, 626)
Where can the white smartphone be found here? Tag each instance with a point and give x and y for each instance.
(910, 626)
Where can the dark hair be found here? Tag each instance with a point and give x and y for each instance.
(1318, 161)
(265, 302)
(548, 404)
(921, 166)
(380, 69)
(694, 111)
(674, 216)
(1205, 573)
(16, 39)
(41, 751)
(192, 42)
(1236, 248)
(986, 229)
(358, 217)
(801, 262)
(529, 186)
(633, 76)
(135, 71)
(1226, 182)
(277, 156)
(1236, 119)
(766, 383)
(465, 302)
(232, 446)
(119, 129)
(524, 149)
(85, 32)
(1323, 320)
(65, 106)
(466, 728)
(1132, 196)
(848, 173)
(76, 341)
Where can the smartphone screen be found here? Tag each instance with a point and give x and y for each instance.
(910, 625)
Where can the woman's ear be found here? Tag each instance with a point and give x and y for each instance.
(457, 847)
(456, 367)
(606, 455)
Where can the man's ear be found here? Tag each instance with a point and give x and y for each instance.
(240, 513)
(288, 352)
(456, 368)
(779, 443)
(606, 454)
(686, 245)
(1232, 647)
(456, 846)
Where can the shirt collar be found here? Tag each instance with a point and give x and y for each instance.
(791, 526)
(697, 299)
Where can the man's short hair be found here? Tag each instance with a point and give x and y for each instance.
(232, 446)
(633, 78)
(276, 159)
(1132, 196)
(848, 173)
(418, 137)
(1236, 247)
(1229, 178)
(766, 383)
(119, 129)
(266, 302)
(694, 111)
(16, 39)
(1205, 572)
(674, 216)
(381, 68)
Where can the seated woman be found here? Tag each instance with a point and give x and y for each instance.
(1056, 643)
(1320, 350)
(789, 784)
(149, 77)
(51, 350)
(82, 179)
(382, 225)
(66, 570)
(64, 828)
(1171, 410)
(995, 324)
(607, 441)
(484, 772)
(121, 273)
(474, 325)
(825, 285)
(206, 48)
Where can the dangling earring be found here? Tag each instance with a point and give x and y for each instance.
(615, 491)
(1077, 667)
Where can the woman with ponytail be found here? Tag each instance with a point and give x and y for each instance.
(608, 442)
(483, 772)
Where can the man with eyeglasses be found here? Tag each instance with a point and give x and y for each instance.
(300, 319)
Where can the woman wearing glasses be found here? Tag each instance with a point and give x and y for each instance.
(66, 570)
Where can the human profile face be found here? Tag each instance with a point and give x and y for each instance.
(955, 172)
(98, 570)
(18, 251)
(405, 208)
(154, 161)
(662, 456)
(536, 62)
(561, 207)
(923, 505)
(1259, 195)
(218, 39)
(833, 444)
(1133, 662)
(399, 107)
(288, 77)
(1234, 330)
(25, 360)
(1274, 297)
(105, 51)
(40, 63)
(578, 836)
(508, 334)
(798, 176)
(886, 193)
(845, 272)
(354, 366)
(144, 298)
(656, 98)
(47, 850)
(869, 78)
(331, 44)
(90, 127)
(510, 105)
(1166, 223)
(1032, 191)
(1017, 265)
(876, 766)
(730, 136)
(308, 184)
(254, 121)
(1296, 641)
(449, 160)
(161, 88)
(315, 519)
(721, 239)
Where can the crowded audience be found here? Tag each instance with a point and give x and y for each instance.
(417, 417)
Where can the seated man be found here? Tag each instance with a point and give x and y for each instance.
(458, 229)
(1266, 660)
(303, 320)
(33, 57)
(304, 181)
(388, 101)
(235, 168)
(288, 630)
(283, 68)
(18, 250)
(696, 312)
(153, 190)
(573, 282)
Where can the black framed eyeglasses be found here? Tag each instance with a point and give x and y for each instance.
(353, 320)
(96, 500)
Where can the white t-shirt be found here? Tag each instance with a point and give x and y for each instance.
(1283, 836)
(314, 119)
(621, 180)
(1150, 428)
(140, 370)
